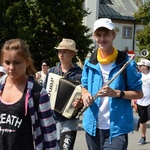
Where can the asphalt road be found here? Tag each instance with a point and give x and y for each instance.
(134, 137)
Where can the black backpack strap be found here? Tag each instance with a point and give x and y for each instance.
(124, 74)
(36, 94)
(122, 57)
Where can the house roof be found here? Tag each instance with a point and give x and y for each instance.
(117, 9)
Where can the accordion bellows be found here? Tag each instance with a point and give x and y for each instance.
(62, 93)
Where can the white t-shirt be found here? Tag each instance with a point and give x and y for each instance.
(145, 101)
(104, 113)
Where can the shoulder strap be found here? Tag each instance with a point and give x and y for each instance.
(124, 74)
(120, 58)
(36, 94)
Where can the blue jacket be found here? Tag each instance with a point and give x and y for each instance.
(121, 115)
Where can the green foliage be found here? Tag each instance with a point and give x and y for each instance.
(43, 24)
(143, 17)
(144, 38)
(143, 14)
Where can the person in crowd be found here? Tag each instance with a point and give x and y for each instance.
(66, 127)
(143, 104)
(108, 120)
(2, 73)
(26, 120)
(41, 75)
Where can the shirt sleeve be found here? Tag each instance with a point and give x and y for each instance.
(48, 125)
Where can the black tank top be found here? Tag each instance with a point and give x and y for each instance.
(15, 127)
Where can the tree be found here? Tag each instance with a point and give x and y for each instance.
(143, 17)
(43, 24)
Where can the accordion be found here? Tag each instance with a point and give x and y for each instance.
(62, 92)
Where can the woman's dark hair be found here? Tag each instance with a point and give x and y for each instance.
(46, 61)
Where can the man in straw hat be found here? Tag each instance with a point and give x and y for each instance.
(67, 128)
(143, 105)
(108, 120)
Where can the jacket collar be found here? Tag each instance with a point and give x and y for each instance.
(122, 56)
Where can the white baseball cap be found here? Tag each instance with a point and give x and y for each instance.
(144, 62)
(103, 22)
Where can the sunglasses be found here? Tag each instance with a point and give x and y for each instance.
(44, 65)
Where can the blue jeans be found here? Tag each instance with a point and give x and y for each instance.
(102, 141)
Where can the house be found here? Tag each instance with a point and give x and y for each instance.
(121, 12)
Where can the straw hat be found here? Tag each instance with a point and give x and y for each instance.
(68, 44)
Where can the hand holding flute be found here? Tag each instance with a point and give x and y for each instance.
(103, 92)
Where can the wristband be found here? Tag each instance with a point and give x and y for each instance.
(121, 94)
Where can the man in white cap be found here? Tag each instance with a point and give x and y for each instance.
(108, 120)
(143, 105)
(66, 128)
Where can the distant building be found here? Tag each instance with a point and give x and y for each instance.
(121, 12)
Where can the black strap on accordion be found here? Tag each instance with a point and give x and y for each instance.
(65, 75)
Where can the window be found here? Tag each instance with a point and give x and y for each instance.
(127, 32)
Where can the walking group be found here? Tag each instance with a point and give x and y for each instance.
(27, 120)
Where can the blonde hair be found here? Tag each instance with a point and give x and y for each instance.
(23, 50)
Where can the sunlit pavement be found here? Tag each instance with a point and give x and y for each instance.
(134, 137)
